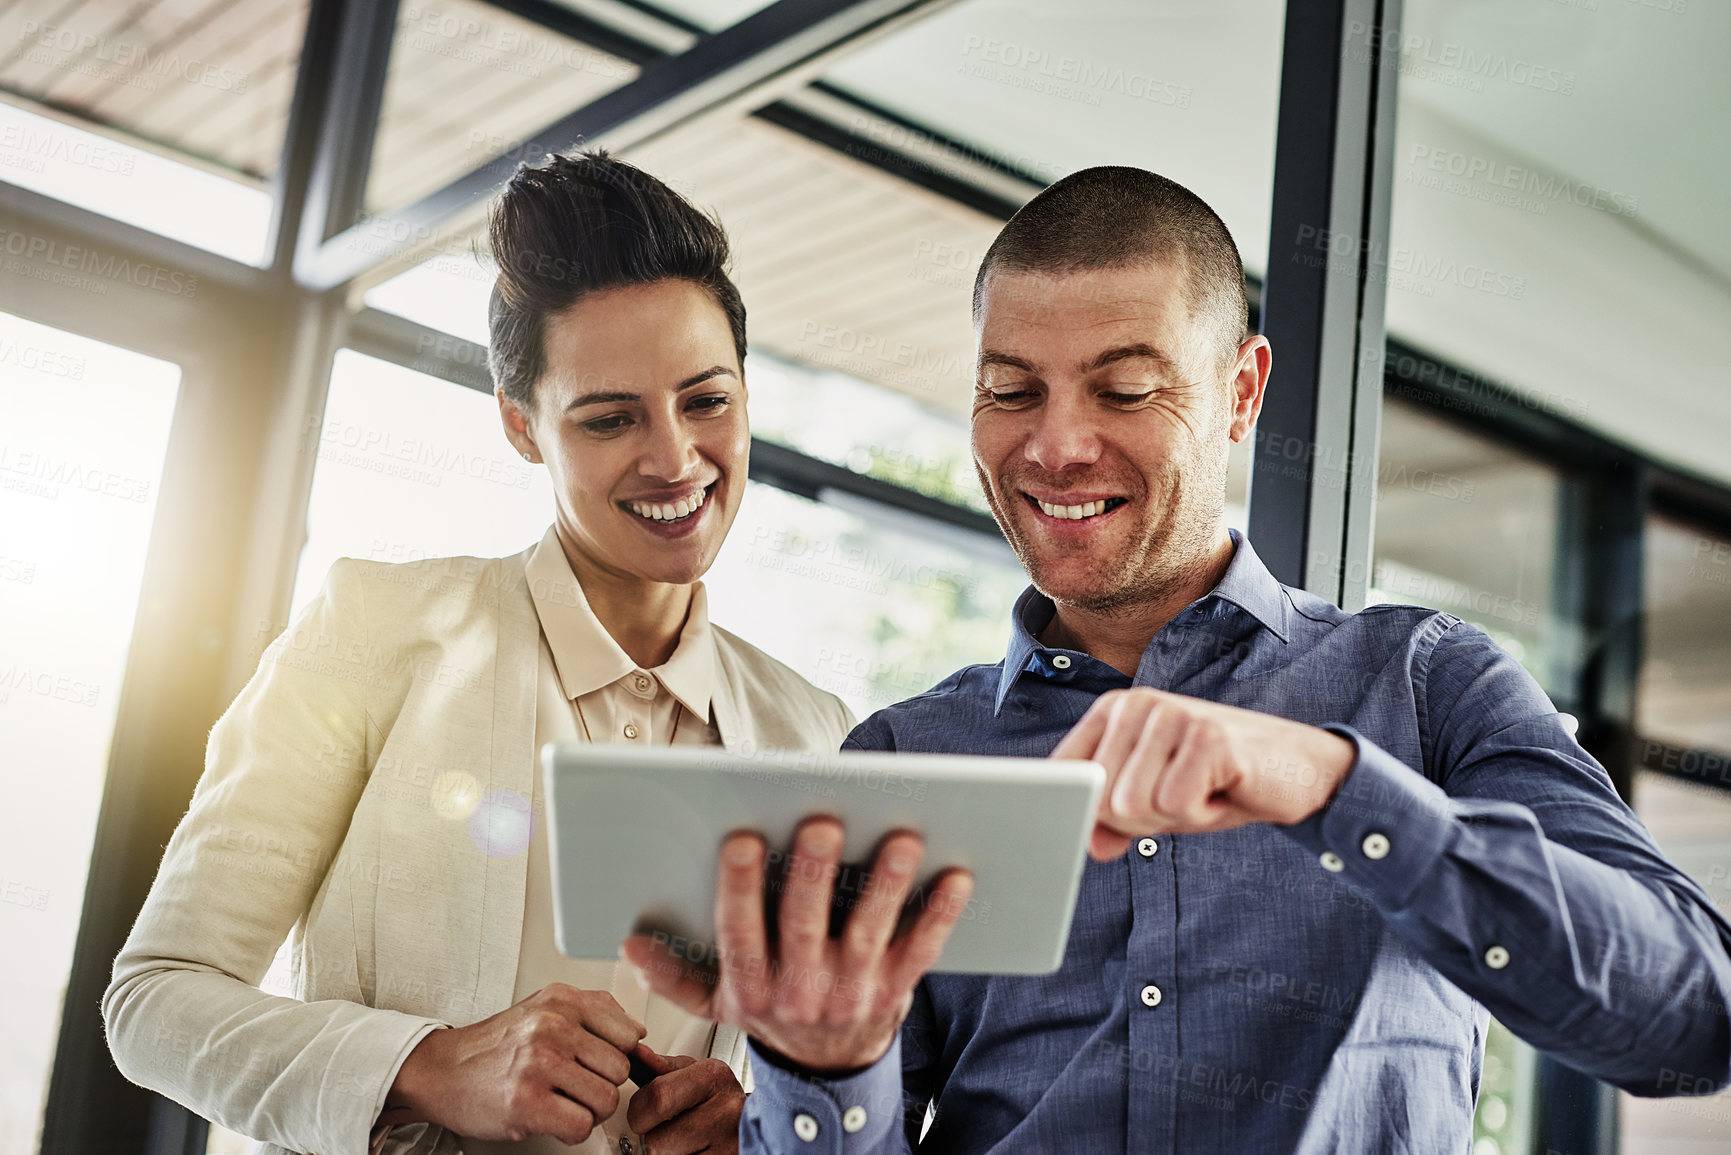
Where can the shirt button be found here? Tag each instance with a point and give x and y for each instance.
(805, 1127)
(1061, 661)
(1375, 845)
(1332, 861)
(1497, 958)
(1151, 995)
(1147, 848)
(853, 1120)
(641, 681)
(631, 729)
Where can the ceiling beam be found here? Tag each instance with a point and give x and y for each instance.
(774, 51)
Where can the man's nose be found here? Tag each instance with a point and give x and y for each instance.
(1064, 437)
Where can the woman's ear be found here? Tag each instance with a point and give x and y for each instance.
(516, 424)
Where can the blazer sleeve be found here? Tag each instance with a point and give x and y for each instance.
(284, 770)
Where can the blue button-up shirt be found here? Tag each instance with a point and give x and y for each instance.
(1318, 987)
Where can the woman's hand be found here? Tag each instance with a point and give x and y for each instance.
(693, 1105)
(550, 1065)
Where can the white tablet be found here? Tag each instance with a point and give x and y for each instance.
(634, 835)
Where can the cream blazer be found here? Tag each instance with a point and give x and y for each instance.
(334, 811)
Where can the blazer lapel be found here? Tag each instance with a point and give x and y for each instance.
(512, 765)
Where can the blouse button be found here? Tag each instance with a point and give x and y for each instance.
(631, 729)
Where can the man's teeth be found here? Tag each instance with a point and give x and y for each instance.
(1072, 512)
(671, 511)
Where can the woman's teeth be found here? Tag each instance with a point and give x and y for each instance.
(671, 511)
(1071, 512)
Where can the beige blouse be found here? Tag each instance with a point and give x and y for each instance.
(589, 690)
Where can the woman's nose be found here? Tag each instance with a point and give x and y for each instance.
(670, 454)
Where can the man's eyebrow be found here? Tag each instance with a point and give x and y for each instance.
(1127, 353)
(607, 398)
(1007, 360)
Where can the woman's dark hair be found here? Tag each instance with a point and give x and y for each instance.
(576, 225)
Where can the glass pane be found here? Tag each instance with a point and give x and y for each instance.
(870, 430)
(709, 15)
(83, 435)
(1692, 825)
(1685, 690)
(1047, 87)
(1557, 222)
(410, 466)
(448, 292)
(1465, 526)
(469, 82)
(872, 607)
(168, 114)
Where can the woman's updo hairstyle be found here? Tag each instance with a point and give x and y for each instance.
(579, 224)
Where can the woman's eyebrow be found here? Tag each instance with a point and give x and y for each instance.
(608, 397)
(699, 378)
(601, 399)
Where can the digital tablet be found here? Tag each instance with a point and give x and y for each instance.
(634, 834)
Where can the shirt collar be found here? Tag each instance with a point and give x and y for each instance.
(585, 654)
(1246, 584)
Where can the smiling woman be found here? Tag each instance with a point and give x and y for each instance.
(373, 789)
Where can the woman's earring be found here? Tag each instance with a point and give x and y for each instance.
(529, 459)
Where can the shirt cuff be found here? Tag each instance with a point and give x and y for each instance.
(1383, 830)
(799, 1112)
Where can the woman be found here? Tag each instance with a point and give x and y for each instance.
(372, 791)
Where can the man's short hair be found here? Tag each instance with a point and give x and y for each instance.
(580, 224)
(1112, 216)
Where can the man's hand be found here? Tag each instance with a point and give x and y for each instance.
(1180, 764)
(693, 1105)
(829, 1004)
(551, 1065)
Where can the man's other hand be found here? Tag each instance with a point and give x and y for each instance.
(1182, 765)
(830, 1004)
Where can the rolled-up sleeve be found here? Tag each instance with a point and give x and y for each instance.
(1522, 877)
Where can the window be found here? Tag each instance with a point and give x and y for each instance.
(873, 606)
(167, 116)
(1467, 527)
(469, 82)
(83, 435)
(1684, 722)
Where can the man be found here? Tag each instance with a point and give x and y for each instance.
(1329, 842)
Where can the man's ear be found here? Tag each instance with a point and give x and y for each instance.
(516, 423)
(1248, 380)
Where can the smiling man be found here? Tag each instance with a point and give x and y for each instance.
(1330, 844)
